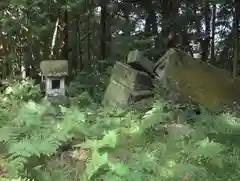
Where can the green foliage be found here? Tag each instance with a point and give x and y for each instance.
(34, 133)
(18, 179)
(22, 90)
(92, 82)
(119, 144)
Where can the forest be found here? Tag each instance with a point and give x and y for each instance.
(81, 139)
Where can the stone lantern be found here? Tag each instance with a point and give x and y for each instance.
(54, 73)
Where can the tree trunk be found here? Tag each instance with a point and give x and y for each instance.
(169, 14)
(207, 21)
(213, 33)
(236, 36)
(103, 45)
(151, 20)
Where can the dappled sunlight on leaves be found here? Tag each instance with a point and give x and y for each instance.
(109, 143)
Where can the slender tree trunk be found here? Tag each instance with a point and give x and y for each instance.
(207, 21)
(169, 13)
(79, 44)
(103, 44)
(126, 12)
(88, 31)
(236, 36)
(213, 33)
(151, 20)
(65, 47)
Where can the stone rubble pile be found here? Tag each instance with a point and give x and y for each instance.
(130, 82)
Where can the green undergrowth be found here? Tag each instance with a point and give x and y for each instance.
(166, 143)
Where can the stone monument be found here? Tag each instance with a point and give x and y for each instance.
(54, 73)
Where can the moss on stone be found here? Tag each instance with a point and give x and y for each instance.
(54, 67)
(205, 84)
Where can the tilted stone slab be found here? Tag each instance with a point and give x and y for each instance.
(131, 78)
(138, 61)
(120, 95)
(209, 86)
(159, 66)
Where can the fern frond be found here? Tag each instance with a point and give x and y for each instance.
(17, 179)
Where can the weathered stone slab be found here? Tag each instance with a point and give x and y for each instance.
(120, 95)
(209, 86)
(160, 65)
(131, 78)
(138, 61)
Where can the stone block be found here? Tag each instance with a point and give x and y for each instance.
(119, 95)
(131, 78)
(138, 61)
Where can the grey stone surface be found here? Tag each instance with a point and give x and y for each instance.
(131, 78)
(119, 95)
(138, 61)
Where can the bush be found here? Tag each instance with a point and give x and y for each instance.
(94, 83)
(115, 144)
(23, 90)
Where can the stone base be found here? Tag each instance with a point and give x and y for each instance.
(120, 95)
